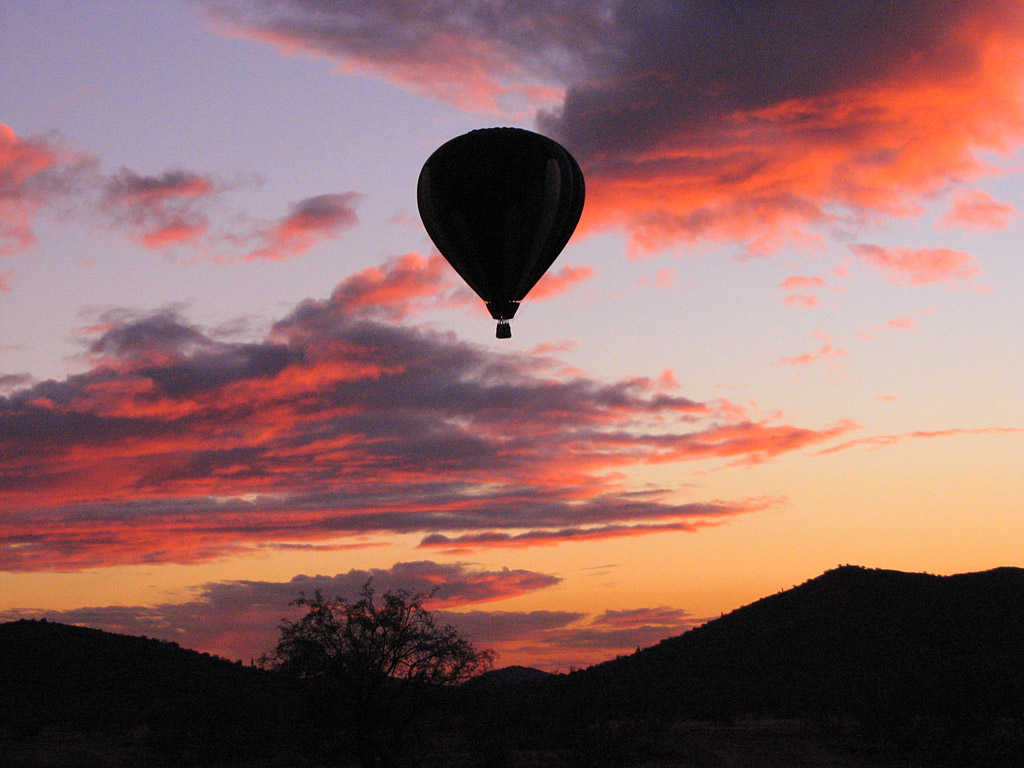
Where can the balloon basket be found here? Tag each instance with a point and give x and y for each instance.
(504, 330)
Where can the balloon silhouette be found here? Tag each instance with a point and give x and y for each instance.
(500, 204)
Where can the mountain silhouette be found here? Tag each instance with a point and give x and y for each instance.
(932, 665)
(88, 680)
(877, 644)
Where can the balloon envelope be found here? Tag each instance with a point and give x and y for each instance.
(500, 204)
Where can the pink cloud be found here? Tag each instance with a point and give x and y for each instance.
(708, 121)
(905, 323)
(160, 210)
(825, 352)
(5, 279)
(157, 211)
(555, 283)
(664, 278)
(22, 165)
(400, 287)
(919, 266)
(238, 619)
(560, 640)
(975, 209)
(802, 300)
(801, 282)
(309, 222)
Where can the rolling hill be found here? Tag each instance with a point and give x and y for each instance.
(876, 644)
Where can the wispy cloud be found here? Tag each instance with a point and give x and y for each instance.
(308, 222)
(903, 323)
(828, 352)
(176, 446)
(558, 281)
(878, 441)
(477, 57)
(704, 515)
(35, 173)
(563, 639)
(162, 211)
(799, 290)
(919, 266)
(975, 209)
(801, 283)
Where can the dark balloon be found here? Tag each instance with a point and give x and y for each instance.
(500, 204)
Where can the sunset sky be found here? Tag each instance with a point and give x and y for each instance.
(786, 336)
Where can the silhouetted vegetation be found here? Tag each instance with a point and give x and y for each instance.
(377, 665)
(855, 668)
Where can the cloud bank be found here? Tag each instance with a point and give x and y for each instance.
(338, 427)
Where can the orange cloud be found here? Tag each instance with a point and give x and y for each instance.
(974, 209)
(919, 266)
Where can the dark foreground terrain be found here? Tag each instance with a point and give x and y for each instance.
(854, 668)
(753, 744)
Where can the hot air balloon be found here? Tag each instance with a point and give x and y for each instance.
(500, 204)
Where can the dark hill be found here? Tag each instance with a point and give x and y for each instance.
(514, 675)
(879, 645)
(55, 674)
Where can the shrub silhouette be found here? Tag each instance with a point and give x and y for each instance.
(377, 663)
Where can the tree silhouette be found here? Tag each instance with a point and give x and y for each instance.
(378, 662)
